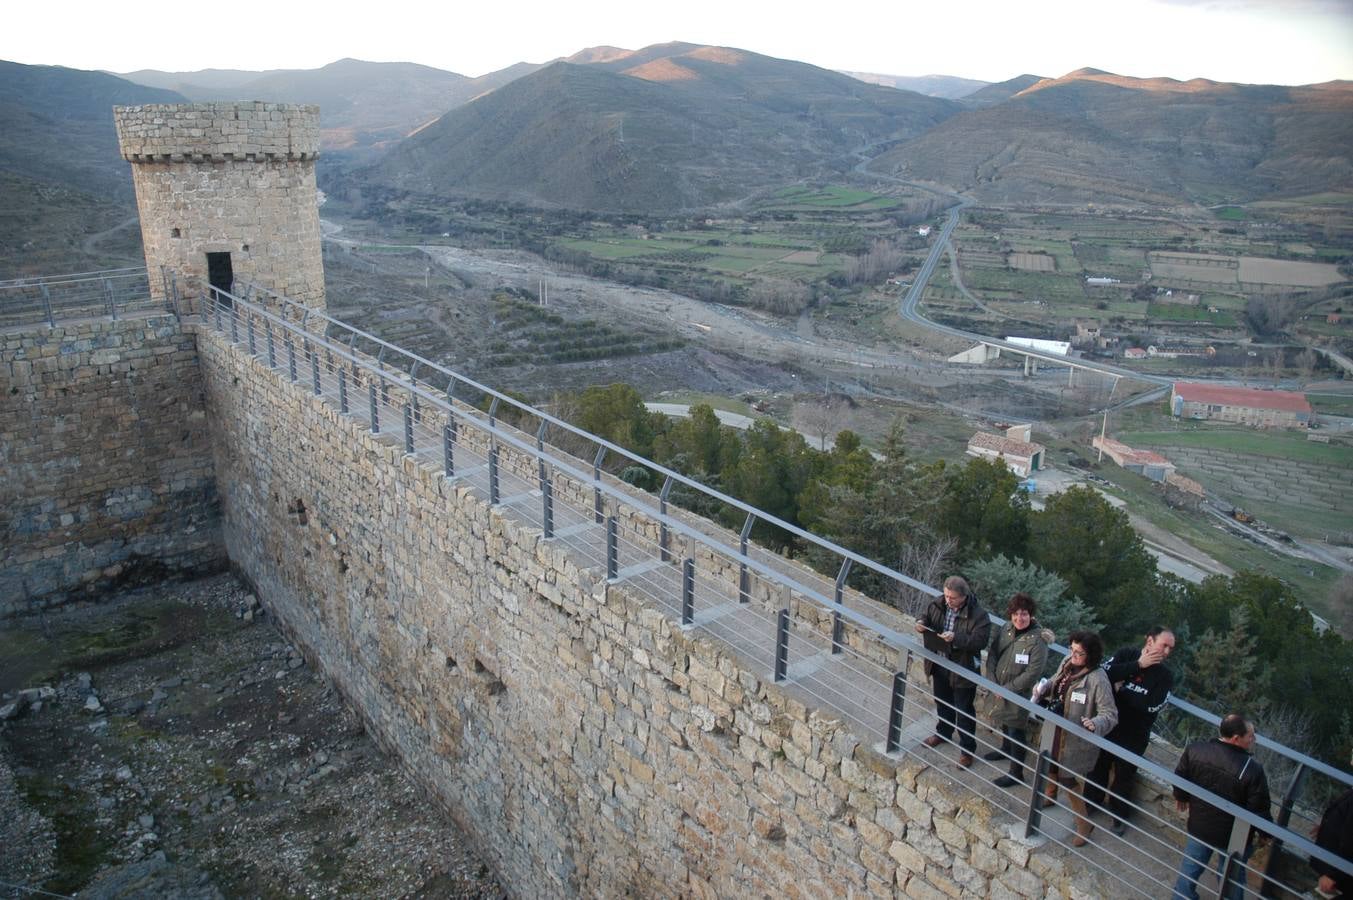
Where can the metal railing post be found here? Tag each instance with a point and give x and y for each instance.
(1033, 818)
(216, 305)
(493, 473)
(895, 709)
(111, 301)
(1233, 867)
(663, 537)
(744, 577)
(272, 349)
(291, 358)
(375, 415)
(249, 331)
(596, 484)
(47, 306)
(343, 391)
(782, 645)
(838, 632)
(408, 428)
(314, 369)
(687, 591)
(449, 446)
(612, 548)
(234, 323)
(540, 451)
(547, 508)
(1284, 817)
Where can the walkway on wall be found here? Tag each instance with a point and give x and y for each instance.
(840, 654)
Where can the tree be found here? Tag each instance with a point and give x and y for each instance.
(1000, 578)
(617, 413)
(1226, 673)
(822, 417)
(984, 511)
(1093, 546)
(892, 520)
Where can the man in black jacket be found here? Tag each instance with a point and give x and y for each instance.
(957, 627)
(1335, 834)
(1224, 767)
(1141, 685)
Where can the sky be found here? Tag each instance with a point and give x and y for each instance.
(1249, 41)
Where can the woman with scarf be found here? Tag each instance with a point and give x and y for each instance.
(1080, 691)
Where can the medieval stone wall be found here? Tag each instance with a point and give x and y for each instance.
(236, 178)
(107, 476)
(592, 746)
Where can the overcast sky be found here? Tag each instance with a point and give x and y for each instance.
(1252, 41)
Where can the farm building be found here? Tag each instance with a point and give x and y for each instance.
(1014, 448)
(1134, 353)
(1247, 406)
(923, 231)
(1144, 462)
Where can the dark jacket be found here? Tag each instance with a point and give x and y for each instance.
(1335, 834)
(1230, 773)
(1139, 693)
(1015, 662)
(971, 633)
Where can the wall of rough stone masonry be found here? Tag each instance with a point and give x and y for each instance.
(228, 177)
(591, 746)
(105, 472)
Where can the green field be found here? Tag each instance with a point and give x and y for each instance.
(1283, 445)
(1332, 404)
(1175, 312)
(1231, 214)
(830, 197)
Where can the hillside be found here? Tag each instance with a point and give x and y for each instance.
(946, 86)
(56, 127)
(1096, 137)
(668, 127)
(364, 106)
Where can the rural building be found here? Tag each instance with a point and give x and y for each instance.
(1134, 353)
(1143, 462)
(1181, 350)
(1100, 279)
(1013, 448)
(923, 231)
(1247, 406)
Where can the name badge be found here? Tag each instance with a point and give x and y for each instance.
(1078, 697)
(1022, 659)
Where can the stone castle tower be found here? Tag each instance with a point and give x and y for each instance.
(226, 191)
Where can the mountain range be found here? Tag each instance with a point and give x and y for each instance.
(684, 126)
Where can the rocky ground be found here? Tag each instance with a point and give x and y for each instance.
(170, 743)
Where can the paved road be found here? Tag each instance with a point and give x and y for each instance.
(909, 309)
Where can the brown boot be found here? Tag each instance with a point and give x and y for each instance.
(1050, 793)
(1084, 827)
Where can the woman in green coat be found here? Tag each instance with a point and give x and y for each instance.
(1015, 661)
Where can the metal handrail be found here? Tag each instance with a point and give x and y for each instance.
(904, 643)
(615, 448)
(1185, 706)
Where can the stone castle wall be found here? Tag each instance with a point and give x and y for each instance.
(107, 476)
(235, 178)
(592, 746)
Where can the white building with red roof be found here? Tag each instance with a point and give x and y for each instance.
(1246, 406)
(1013, 448)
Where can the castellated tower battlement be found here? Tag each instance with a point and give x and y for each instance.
(226, 191)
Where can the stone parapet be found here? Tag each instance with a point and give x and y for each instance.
(217, 131)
